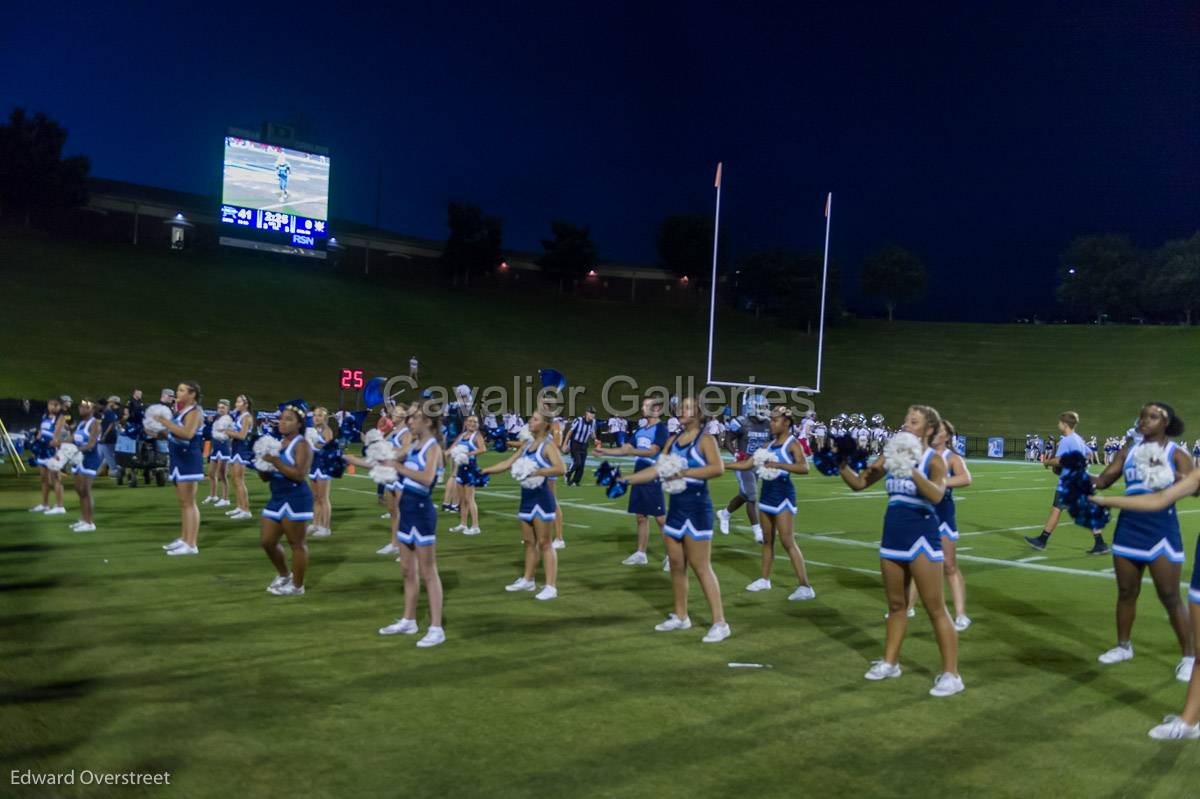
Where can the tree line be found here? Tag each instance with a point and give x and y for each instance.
(1108, 278)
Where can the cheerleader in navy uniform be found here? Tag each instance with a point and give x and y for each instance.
(1150, 541)
(320, 436)
(86, 438)
(417, 532)
(689, 525)
(1187, 723)
(399, 439)
(50, 433)
(556, 435)
(911, 549)
(537, 510)
(957, 476)
(472, 441)
(241, 439)
(777, 500)
(290, 508)
(219, 453)
(186, 447)
(645, 499)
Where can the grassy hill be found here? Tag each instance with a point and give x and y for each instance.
(93, 320)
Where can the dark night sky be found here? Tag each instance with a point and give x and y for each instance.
(983, 136)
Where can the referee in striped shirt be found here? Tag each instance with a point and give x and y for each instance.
(580, 436)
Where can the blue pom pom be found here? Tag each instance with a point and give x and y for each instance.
(826, 462)
(603, 473)
(617, 489)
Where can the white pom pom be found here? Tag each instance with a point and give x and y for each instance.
(459, 454)
(152, 418)
(69, 454)
(524, 435)
(522, 468)
(533, 482)
(264, 446)
(55, 463)
(371, 436)
(221, 428)
(675, 486)
(763, 456)
(384, 475)
(1153, 466)
(380, 452)
(669, 465)
(313, 436)
(902, 452)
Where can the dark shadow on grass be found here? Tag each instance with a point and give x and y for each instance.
(48, 692)
(30, 585)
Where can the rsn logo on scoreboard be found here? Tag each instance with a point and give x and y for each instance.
(303, 240)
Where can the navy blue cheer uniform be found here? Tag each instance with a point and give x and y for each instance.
(647, 499)
(242, 450)
(187, 454)
(690, 512)
(43, 449)
(291, 500)
(1194, 590)
(219, 450)
(395, 440)
(948, 526)
(468, 441)
(320, 458)
(1147, 535)
(537, 503)
(418, 514)
(778, 495)
(91, 458)
(910, 526)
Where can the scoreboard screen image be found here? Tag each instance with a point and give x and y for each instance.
(275, 193)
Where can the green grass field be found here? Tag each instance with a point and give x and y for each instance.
(121, 317)
(119, 658)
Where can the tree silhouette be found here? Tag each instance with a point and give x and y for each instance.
(473, 246)
(1102, 275)
(570, 254)
(895, 275)
(36, 182)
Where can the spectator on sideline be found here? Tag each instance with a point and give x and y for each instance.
(136, 406)
(108, 436)
(413, 367)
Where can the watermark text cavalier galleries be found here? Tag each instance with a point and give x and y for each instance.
(89, 777)
(621, 395)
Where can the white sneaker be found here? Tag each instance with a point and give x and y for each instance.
(559, 544)
(1116, 655)
(222, 503)
(401, 627)
(912, 614)
(882, 670)
(718, 632)
(667, 564)
(723, 517)
(521, 584)
(472, 531)
(433, 637)
(84, 527)
(208, 499)
(277, 583)
(385, 515)
(308, 529)
(239, 514)
(390, 549)
(947, 684)
(289, 589)
(1174, 728)
(636, 559)
(39, 508)
(673, 622)
(321, 532)
(1183, 672)
(961, 623)
(759, 585)
(758, 536)
(231, 512)
(75, 525)
(801, 593)
(56, 511)
(178, 542)
(184, 549)
(547, 592)
(458, 528)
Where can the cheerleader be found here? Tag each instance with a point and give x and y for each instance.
(185, 445)
(911, 549)
(219, 454)
(645, 499)
(241, 455)
(777, 501)
(320, 436)
(86, 438)
(1187, 723)
(688, 529)
(1070, 443)
(417, 533)
(557, 434)
(1150, 541)
(957, 476)
(538, 505)
(50, 432)
(290, 506)
(468, 508)
(399, 438)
